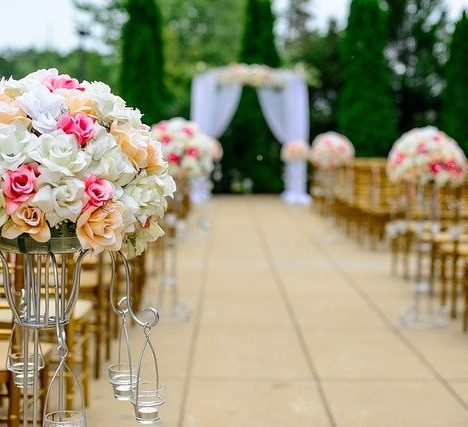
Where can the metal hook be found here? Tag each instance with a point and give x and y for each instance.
(148, 310)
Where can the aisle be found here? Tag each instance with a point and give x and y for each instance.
(293, 328)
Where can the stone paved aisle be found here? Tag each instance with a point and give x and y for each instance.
(294, 326)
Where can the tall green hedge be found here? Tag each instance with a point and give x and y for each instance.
(455, 96)
(251, 151)
(366, 112)
(142, 67)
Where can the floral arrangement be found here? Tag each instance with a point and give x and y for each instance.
(188, 151)
(331, 150)
(425, 155)
(295, 151)
(75, 158)
(251, 75)
(216, 150)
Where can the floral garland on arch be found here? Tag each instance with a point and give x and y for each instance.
(254, 75)
(425, 155)
(74, 157)
(295, 151)
(189, 152)
(331, 150)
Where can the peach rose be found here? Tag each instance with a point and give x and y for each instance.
(101, 228)
(10, 110)
(27, 219)
(78, 102)
(155, 159)
(133, 142)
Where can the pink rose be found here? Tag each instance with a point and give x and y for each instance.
(63, 81)
(80, 125)
(99, 191)
(19, 185)
(165, 139)
(161, 126)
(422, 149)
(173, 158)
(188, 131)
(399, 158)
(435, 168)
(191, 152)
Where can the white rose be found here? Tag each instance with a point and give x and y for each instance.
(108, 106)
(147, 192)
(44, 107)
(16, 142)
(59, 153)
(138, 243)
(102, 142)
(61, 202)
(113, 166)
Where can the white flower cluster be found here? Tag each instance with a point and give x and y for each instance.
(74, 153)
(251, 75)
(331, 150)
(189, 152)
(295, 151)
(425, 155)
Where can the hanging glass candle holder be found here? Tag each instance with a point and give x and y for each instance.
(147, 396)
(56, 412)
(24, 363)
(122, 375)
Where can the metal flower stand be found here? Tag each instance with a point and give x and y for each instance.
(201, 189)
(176, 310)
(423, 314)
(45, 302)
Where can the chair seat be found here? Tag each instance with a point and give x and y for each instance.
(448, 249)
(82, 308)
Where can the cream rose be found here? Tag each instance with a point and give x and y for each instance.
(101, 228)
(10, 111)
(27, 219)
(133, 142)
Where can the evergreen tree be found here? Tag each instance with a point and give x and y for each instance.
(366, 113)
(142, 67)
(454, 111)
(251, 151)
(418, 36)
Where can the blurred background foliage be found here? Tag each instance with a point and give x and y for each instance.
(413, 49)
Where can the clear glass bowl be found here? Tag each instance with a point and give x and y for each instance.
(27, 245)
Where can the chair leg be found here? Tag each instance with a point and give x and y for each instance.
(443, 280)
(85, 362)
(71, 364)
(14, 403)
(453, 311)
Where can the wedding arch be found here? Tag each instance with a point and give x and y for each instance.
(283, 98)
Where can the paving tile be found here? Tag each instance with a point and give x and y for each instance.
(336, 314)
(363, 355)
(391, 404)
(249, 353)
(244, 311)
(259, 404)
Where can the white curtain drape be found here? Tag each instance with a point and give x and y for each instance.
(286, 111)
(213, 105)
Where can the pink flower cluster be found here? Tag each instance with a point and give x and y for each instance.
(74, 153)
(188, 151)
(425, 155)
(331, 150)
